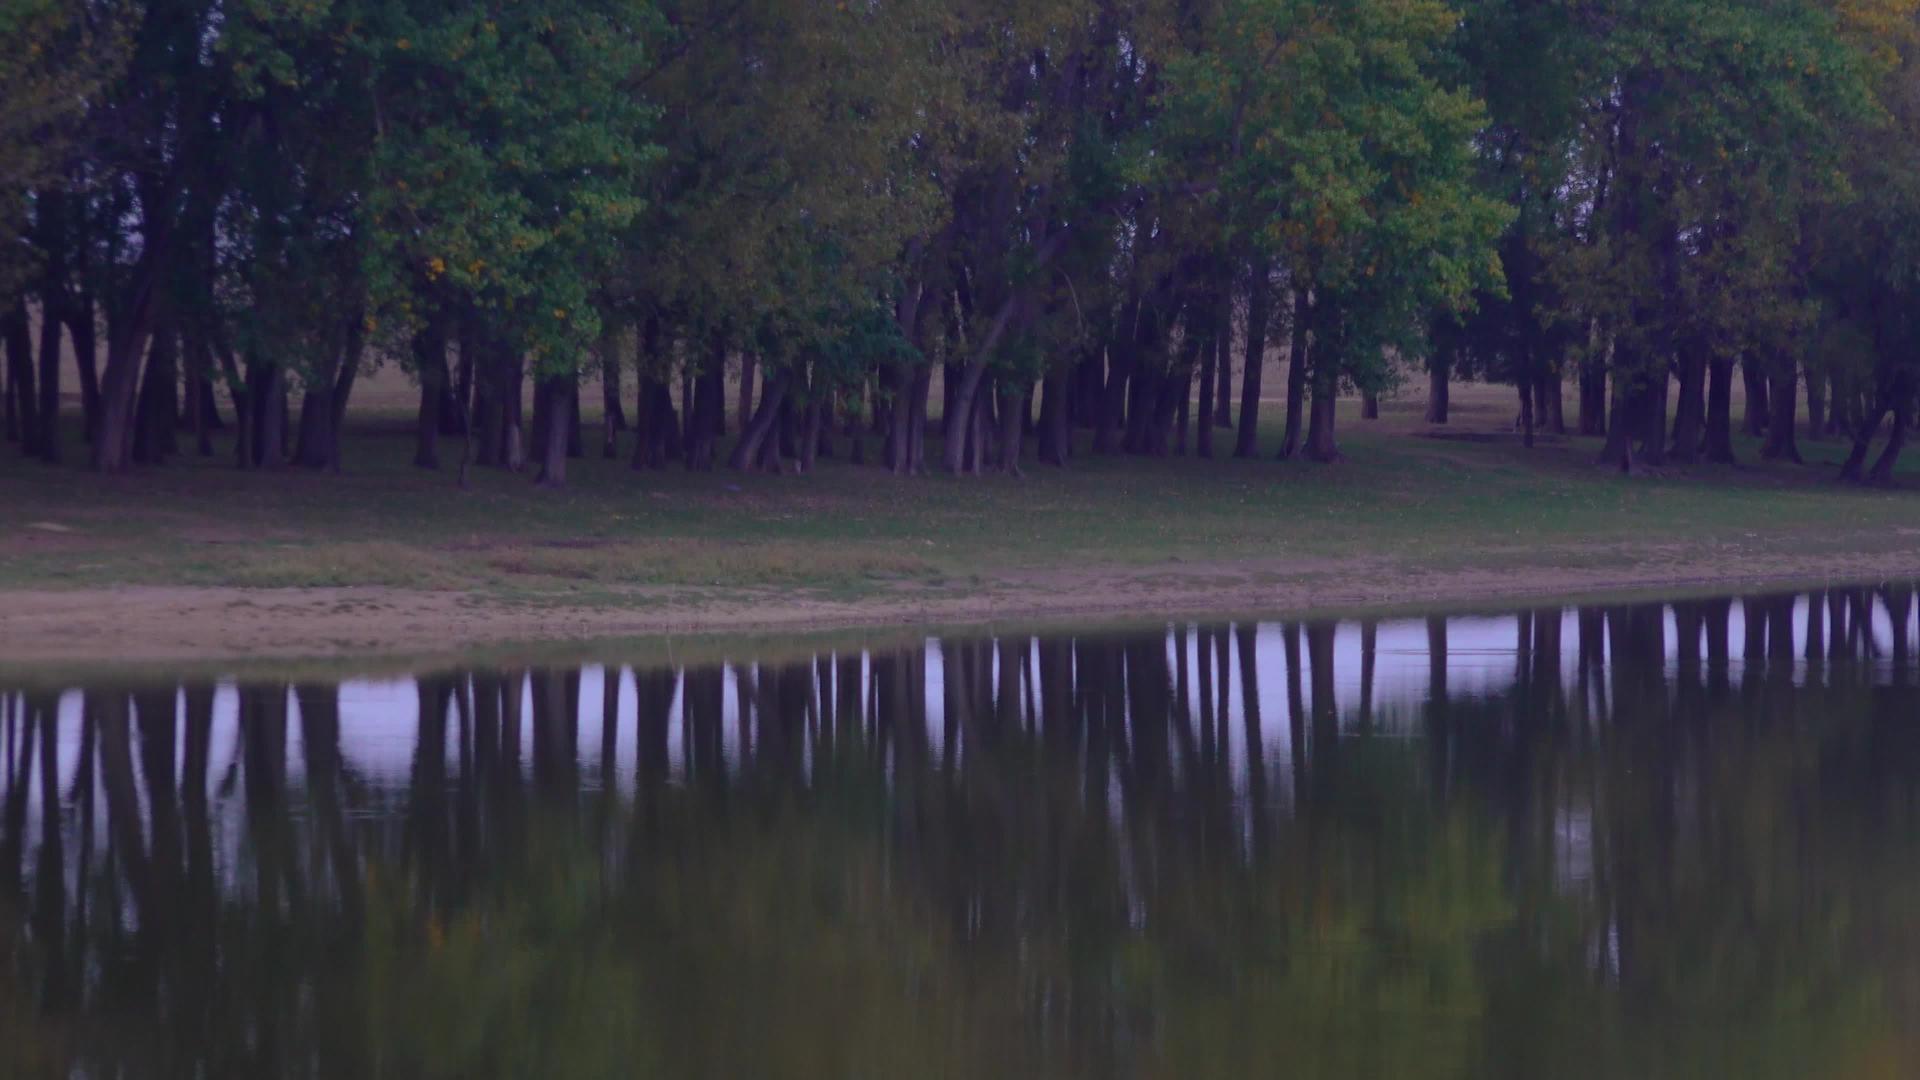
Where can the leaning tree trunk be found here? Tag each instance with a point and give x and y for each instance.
(1717, 444)
(1246, 442)
(1869, 426)
(1296, 374)
(1882, 472)
(1783, 399)
(759, 430)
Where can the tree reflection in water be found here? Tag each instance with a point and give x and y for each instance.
(1661, 840)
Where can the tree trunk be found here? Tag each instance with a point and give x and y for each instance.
(1182, 407)
(21, 400)
(1890, 456)
(1593, 397)
(1526, 411)
(1223, 374)
(1690, 414)
(1014, 403)
(450, 412)
(155, 436)
(1816, 407)
(80, 327)
(1439, 373)
(747, 366)
(899, 426)
(1056, 433)
(1757, 406)
(1321, 445)
(513, 444)
(1653, 433)
(917, 419)
(759, 430)
(959, 418)
(200, 404)
(1866, 429)
(560, 394)
(1717, 445)
(1369, 405)
(811, 432)
(576, 439)
(1550, 404)
(1624, 416)
(1247, 440)
(1783, 399)
(47, 436)
(1209, 360)
(430, 363)
(268, 408)
(702, 427)
(1296, 373)
(316, 428)
(343, 381)
(854, 428)
(613, 415)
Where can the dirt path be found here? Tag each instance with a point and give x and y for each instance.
(199, 624)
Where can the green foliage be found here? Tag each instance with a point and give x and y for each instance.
(507, 152)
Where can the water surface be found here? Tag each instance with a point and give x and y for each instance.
(1662, 840)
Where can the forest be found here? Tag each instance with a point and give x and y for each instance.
(763, 228)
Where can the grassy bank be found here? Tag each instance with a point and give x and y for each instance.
(1409, 498)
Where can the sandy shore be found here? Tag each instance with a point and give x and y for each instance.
(159, 624)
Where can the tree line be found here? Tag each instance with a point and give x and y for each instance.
(1081, 214)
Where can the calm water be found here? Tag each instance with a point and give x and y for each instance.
(1649, 841)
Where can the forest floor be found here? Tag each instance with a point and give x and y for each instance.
(199, 560)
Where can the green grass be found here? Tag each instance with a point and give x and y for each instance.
(1400, 501)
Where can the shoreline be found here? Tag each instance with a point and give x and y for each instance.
(94, 627)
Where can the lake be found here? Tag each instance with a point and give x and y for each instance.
(1642, 840)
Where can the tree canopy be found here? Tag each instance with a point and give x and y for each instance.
(1074, 204)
